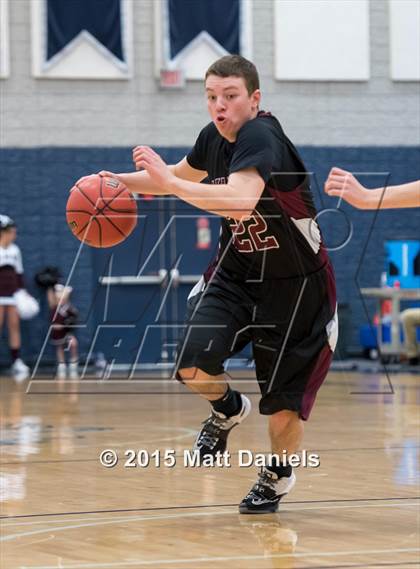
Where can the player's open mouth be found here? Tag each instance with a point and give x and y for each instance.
(220, 119)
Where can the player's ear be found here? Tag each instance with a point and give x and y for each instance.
(256, 98)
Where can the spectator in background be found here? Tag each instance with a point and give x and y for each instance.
(11, 280)
(410, 320)
(63, 317)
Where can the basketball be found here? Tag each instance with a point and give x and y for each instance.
(101, 211)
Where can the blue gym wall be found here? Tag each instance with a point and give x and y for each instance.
(35, 184)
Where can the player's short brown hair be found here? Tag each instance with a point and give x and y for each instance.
(236, 66)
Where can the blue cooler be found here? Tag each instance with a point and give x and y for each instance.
(403, 263)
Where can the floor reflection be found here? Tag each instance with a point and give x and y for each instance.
(22, 434)
(274, 536)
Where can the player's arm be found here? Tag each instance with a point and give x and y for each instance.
(344, 185)
(19, 269)
(51, 297)
(142, 183)
(236, 199)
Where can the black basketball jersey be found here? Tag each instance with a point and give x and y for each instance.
(281, 238)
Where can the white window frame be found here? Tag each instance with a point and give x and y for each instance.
(161, 21)
(316, 76)
(4, 40)
(404, 44)
(51, 69)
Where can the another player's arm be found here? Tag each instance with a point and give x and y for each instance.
(344, 185)
(401, 196)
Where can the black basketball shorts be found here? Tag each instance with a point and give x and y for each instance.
(292, 324)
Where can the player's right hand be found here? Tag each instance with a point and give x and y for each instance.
(107, 174)
(136, 156)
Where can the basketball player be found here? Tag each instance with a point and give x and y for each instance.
(271, 283)
(344, 185)
(63, 315)
(11, 280)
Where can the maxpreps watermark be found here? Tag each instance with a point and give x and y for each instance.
(168, 458)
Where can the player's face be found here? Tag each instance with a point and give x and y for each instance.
(8, 236)
(229, 104)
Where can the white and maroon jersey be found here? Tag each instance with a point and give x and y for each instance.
(281, 239)
(11, 270)
(11, 255)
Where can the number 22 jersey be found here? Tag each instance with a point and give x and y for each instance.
(281, 239)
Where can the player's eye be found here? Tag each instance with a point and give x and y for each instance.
(230, 97)
(211, 97)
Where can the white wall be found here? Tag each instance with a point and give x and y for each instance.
(41, 112)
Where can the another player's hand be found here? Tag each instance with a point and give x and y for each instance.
(146, 158)
(343, 184)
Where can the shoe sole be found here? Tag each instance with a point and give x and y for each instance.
(247, 511)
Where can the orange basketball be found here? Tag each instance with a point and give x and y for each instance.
(101, 211)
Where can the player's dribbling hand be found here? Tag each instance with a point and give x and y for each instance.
(343, 184)
(146, 158)
(106, 174)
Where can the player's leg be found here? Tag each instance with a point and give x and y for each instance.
(61, 361)
(214, 320)
(73, 346)
(289, 376)
(19, 369)
(286, 430)
(74, 357)
(13, 324)
(211, 387)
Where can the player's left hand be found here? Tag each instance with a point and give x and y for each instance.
(146, 158)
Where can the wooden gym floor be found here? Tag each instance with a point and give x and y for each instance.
(61, 509)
